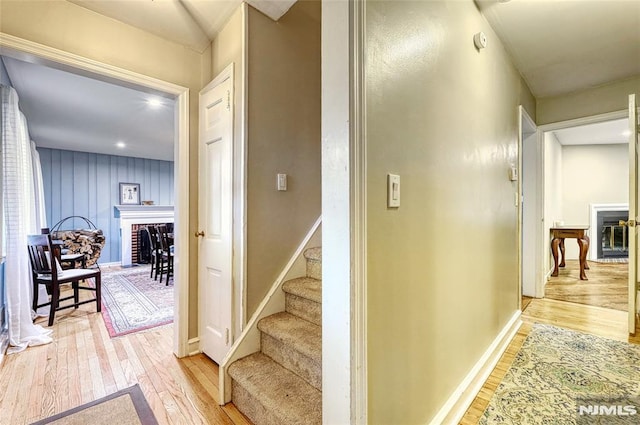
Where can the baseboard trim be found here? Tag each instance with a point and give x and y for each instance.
(193, 346)
(458, 403)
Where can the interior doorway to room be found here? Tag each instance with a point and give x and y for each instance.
(586, 183)
(173, 99)
(530, 272)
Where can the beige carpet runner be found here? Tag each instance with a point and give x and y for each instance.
(281, 384)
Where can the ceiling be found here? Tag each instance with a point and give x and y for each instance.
(191, 23)
(602, 133)
(560, 46)
(77, 113)
(73, 112)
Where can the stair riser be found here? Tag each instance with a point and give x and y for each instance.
(314, 268)
(298, 363)
(251, 407)
(304, 308)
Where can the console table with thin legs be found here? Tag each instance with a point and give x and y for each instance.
(559, 234)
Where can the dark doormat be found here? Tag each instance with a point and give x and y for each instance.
(126, 407)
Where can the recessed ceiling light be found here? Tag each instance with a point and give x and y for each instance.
(626, 133)
(121, 145)
(154, 103)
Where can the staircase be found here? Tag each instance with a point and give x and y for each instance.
(282, 384)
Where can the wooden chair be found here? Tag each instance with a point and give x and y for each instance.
(156, 252)
(46, 271)
(167, 253)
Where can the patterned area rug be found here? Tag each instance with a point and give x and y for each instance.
(132, 301)
(556, 370)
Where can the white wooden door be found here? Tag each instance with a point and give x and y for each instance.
(633, 211)
(215, 216)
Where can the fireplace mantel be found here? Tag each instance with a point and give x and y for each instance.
(138, 214)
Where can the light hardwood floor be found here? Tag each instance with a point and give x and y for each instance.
(607, 285)
(84, 364)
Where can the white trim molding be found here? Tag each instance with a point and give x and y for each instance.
(194, 346)
(462, 397)
(358, 147)
(338, 199)
(139, 214)
(29, 51)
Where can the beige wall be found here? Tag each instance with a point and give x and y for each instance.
(283, 137)
(552, 188)
(585, 103)
(443, 268)
(74, 29)
(592, 174)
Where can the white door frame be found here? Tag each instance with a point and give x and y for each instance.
(344, 299)
(536, 202)
(23, 49)
(542, 129)
(633, 213)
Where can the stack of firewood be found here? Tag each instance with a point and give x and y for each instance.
(84, 241)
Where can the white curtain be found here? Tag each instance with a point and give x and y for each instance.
(40, 217)
(19, 221)
(38, 189)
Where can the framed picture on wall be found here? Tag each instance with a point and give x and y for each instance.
(129, 194)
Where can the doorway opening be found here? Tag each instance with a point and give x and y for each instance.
(586, 183)
(23, 50)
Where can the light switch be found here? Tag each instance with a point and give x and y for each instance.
(282, 182)
(393, 190)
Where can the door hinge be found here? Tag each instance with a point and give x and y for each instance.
(228, 100)
(226, 336)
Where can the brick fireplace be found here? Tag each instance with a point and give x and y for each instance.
(131, 215)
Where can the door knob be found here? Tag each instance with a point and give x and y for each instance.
(200, 233)
(630, 223)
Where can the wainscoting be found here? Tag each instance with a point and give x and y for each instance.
(86, 184)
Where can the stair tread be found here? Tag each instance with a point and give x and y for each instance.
(305, 287)
(281, 391)
(313, 253)
(303, 336)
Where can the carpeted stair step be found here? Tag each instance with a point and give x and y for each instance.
(303, 298)
(314, 262)
(269, 394)
(294, 343)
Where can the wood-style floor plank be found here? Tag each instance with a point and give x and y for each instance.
(607, 285)
(84, 363)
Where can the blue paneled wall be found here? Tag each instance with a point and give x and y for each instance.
(87, 184)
